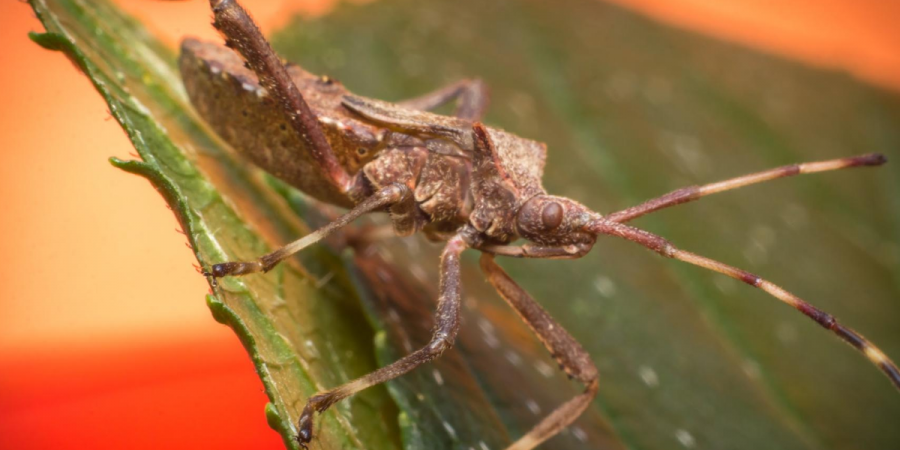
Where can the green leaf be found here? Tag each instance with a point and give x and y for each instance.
(630, 110)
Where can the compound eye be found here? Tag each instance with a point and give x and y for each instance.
(551, 215)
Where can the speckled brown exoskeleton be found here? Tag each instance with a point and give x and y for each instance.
(451, 177)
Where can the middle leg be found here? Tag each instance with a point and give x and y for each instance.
(444, 334)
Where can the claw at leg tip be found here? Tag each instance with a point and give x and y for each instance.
(210, 277)
(303, 438)
(871, 159)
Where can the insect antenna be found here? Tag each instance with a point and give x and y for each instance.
(603, 226)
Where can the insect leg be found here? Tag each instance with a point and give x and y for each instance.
(404, 216)
(565, 349)
(242, 35)
(388, 196)
(361, 237)
(827, 321)
(472, 97)
(692, 193)
(445, 329)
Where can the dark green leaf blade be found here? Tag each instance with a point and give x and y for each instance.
(630, 110)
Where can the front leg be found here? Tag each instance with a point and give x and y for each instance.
(562, 346)
(445, 329)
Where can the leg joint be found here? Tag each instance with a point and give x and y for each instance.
(439, 344)
(395, 193)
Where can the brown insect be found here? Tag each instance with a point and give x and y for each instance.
(451, 177)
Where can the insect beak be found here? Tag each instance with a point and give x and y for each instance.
(591, 222)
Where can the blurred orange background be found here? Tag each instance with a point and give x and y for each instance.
(105, 340)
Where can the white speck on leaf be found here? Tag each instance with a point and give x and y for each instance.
(579, 434)
(648, 376)
(544, 369)
(685, 438)
(514, 358)
(450, 430)
(605, 286)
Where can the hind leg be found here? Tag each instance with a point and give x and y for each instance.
(242, 35)
(445, 329)
(471, 95)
